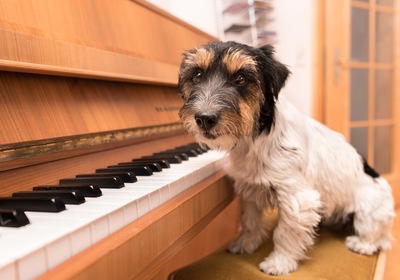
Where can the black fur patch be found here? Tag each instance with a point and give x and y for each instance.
(369, 170)
(345, 225)
(274, 75)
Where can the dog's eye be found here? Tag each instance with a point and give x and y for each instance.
(197, 77)
(240, 80)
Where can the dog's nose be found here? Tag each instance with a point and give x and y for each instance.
(205, 120)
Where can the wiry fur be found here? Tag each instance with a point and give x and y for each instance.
(279, 157)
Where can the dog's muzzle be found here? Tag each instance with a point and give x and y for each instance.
(206, 120)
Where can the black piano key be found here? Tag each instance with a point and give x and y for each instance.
(194, 147)
(138, 171)
(200, 151)
(163, 163)
(198, 148)
(38, 204)
(13, 218)
(169, 158)
(68, 197)
(182, 156)
(85, 190)
(102, 182)
(127, 177)
(188, 151)
(155, 167)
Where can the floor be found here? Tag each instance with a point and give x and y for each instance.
(392, 271)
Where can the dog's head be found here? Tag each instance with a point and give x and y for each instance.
(229, 91)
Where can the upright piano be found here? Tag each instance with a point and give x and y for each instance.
(85, 85)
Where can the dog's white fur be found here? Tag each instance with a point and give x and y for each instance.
(311, 174)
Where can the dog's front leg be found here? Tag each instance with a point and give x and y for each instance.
(294, 234)
(253, 231)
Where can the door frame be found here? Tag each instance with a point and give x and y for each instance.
(331, 75)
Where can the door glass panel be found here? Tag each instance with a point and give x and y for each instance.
(385, 2)
(359, 94)
(359, 140)
(370, 97)
(384, 38)
(383, 148)
(383, 94)
(359, 34)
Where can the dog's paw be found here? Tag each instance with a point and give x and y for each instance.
(355, 244)
(244, 244)
(278, 264)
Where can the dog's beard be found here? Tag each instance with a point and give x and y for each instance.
(223, 137)
(221, 143)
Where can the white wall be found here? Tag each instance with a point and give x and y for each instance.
(202, 14)
(294, 25)
(294, 47)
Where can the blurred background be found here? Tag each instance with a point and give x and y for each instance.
(343, 55)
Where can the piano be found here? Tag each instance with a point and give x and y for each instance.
(98, 178)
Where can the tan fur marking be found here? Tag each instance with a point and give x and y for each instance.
(236, 60)
(254, 95)
(247, 113)
(186, 90)
(201, 58)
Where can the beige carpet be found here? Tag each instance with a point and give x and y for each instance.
(329, 259)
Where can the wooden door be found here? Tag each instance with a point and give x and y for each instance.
(362, 79)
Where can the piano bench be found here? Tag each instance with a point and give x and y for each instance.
(329, 260)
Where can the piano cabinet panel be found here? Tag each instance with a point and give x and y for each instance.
(213, 238)
(142, 249)
(37, 107)
(120, 39)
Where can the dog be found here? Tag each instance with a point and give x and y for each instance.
(279, 158)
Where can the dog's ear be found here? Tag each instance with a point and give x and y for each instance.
(183, 76)
(276, 72)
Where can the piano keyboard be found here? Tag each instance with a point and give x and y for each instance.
(52, 238)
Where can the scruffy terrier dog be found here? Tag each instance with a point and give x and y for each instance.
(279, 157)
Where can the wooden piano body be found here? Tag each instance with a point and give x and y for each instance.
(85, 84)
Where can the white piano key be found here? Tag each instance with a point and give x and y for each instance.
(112, 205)
(29, 259)
(143, 205)
(8, 261)
(116, 220)
(130, 212)
(44, 234)
(176, 187)
(80, 239)
(32, 266)
(153, 194)
(58, 251)
(7, 270)
(99, 229)
(48, 235)
(52, 238)
(164, 194)
(60, 237)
